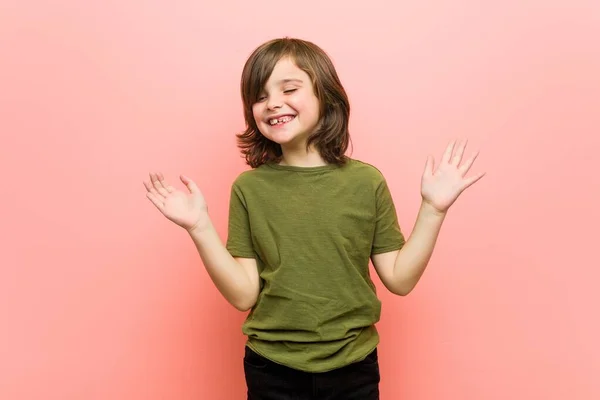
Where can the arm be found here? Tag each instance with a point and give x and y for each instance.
(401, 270)
(236, 278)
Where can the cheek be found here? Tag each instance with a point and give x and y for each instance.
(308, 105)
(312, 109)
(256, 113)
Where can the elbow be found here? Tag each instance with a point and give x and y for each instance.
(397, 288)
(244, 304)
(243, 307)
(402, 290)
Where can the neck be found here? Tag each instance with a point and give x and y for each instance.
(302, 158)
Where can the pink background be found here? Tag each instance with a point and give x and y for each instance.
(102, 298)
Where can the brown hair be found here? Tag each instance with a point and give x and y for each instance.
(331, 137)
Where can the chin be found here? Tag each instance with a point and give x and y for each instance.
(282, 141)
(282, 138)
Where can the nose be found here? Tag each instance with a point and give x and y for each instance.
(274, 102)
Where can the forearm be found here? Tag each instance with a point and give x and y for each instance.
(414, 256)
(228, 275)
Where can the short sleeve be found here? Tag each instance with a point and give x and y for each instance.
(388, 235)
(239, 238)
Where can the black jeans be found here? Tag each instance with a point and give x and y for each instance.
(267, 380)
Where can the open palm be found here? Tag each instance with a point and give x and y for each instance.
(184, 209)
(442, 186)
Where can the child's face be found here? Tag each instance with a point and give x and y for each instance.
(287, 111)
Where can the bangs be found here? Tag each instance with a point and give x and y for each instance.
(260, 66)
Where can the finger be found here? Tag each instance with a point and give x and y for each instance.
(158, 186)
(157, 201)
(191, 185)
(448, 152)
(429, 165)
(158, 183)
(469, 163)
(161, 180)
(470, 181)
(151, 189)
(459, 152)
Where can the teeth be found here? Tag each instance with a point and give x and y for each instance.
(281, 120)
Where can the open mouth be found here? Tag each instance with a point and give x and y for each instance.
(281, 120)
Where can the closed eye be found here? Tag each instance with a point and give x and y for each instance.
(289, 91)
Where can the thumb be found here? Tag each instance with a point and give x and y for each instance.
(429, 164)
(190, 184)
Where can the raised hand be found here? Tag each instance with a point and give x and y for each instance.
(442, 186)
(187, 210)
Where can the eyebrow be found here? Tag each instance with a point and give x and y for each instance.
(290, 80)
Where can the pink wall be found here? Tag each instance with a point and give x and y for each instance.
(102, 298)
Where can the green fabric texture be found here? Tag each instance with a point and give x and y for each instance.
(312, 231)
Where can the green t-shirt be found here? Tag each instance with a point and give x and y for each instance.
(312, 231)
